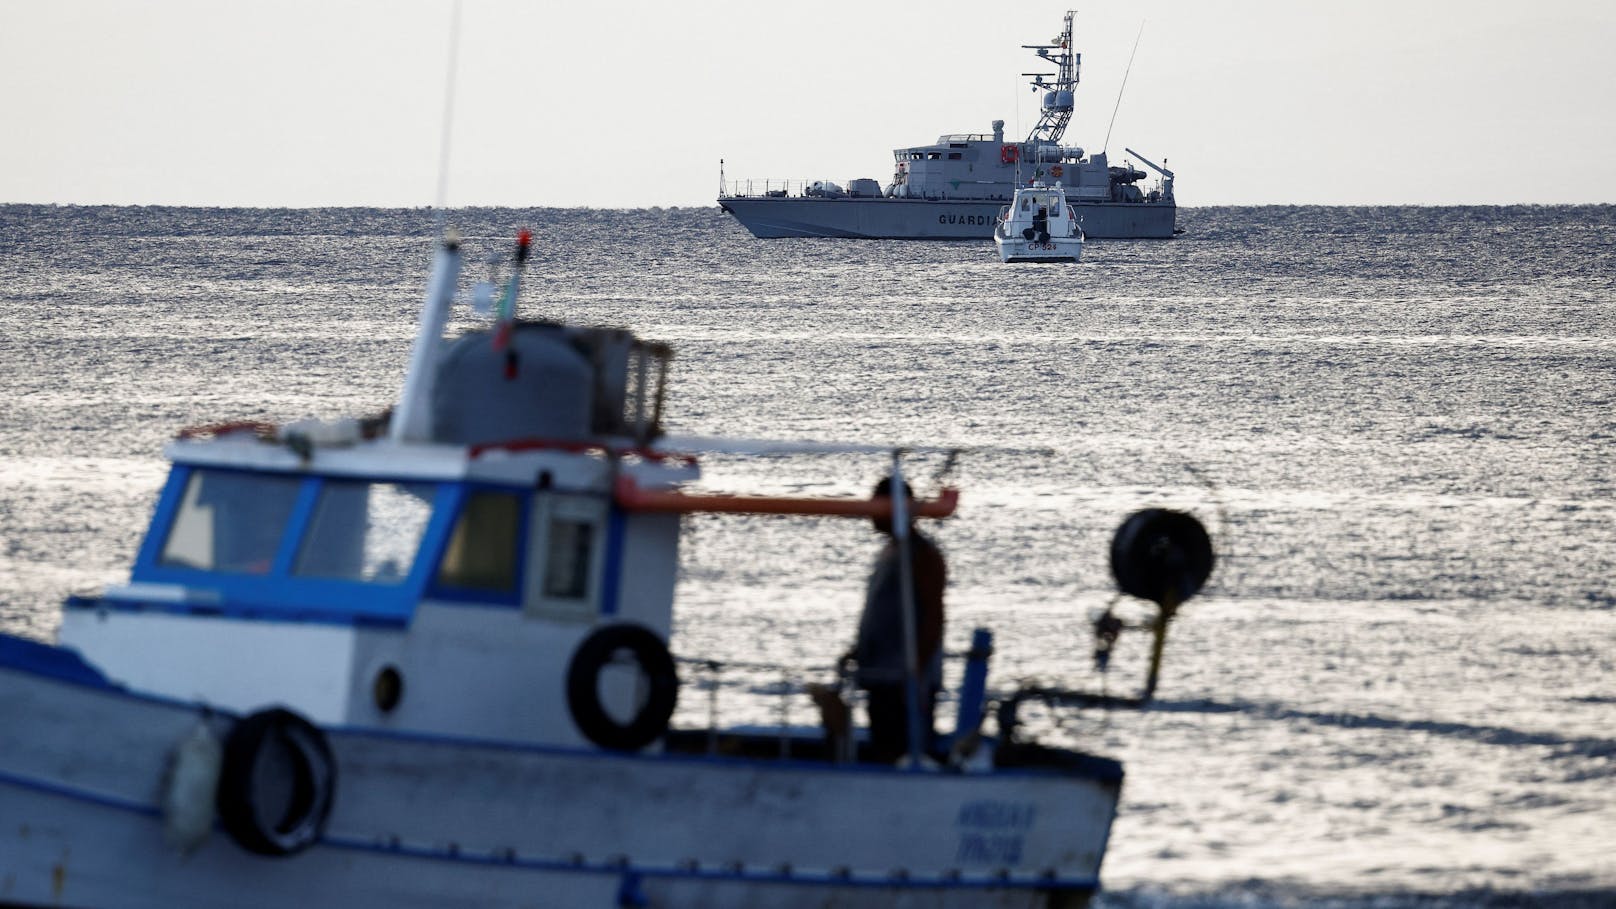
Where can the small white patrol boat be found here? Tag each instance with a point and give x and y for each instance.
(1038, 226)
(423, 659)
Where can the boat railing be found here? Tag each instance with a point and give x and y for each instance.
(786, 704)
(767, 188)
(771, 188)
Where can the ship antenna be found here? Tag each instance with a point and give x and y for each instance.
(1124, 85)
(1053, 119)
(448, 112)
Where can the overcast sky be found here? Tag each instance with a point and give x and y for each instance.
(628, 103)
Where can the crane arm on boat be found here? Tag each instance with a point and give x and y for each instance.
(632, 497)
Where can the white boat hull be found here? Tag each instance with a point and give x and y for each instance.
(435, 821)
(1055, 249)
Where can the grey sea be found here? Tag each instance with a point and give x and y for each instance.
(1399, 423)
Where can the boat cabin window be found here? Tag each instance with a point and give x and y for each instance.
(953, 156)
(363, 531)
(934, 156)
(566, 563)
(482, 553)
(230, 521)
(568, 537)
(1025, 202)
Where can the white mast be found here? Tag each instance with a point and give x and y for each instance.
(412, 421)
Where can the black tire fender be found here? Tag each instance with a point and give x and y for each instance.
(650, 721)
(277, 782)
(1161, 555)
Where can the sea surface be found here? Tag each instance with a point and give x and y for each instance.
(1399, 688)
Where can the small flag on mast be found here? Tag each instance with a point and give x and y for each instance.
(507, 301)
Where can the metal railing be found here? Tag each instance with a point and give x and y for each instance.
(765, 188)
(775, 700)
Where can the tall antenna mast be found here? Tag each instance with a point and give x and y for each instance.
(1057, 104)
(448, 110)
(1124, 85)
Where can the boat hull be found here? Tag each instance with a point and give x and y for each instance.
(1055, 251)
(433, 821)
(925, 219)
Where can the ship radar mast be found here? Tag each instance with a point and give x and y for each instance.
(1057, 105)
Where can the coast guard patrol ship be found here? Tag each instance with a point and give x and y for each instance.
(953, 189)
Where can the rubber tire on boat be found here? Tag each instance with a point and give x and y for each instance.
(1161, 555)
(583, 689)
(297, 823)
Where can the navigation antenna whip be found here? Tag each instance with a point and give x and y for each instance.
(448, 112)
(1124, 85)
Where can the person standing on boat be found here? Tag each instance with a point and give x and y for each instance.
(879, 649)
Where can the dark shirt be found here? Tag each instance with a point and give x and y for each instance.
(879, 650)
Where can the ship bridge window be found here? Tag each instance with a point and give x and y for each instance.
(230, 521)
(934, 156)
(953, 156)
(364, 531)
(482, 555)
(567, 533)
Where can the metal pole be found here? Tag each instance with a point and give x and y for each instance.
(906, 586)
(412, 420)
(1169, 607)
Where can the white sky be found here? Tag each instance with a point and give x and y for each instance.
(631, 103)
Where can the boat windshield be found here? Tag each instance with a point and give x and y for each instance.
(236, 522)
(365, 531)
(230, 521)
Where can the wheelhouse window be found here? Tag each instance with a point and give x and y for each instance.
(482, 553)
(364, 531)
(567, 558)
(230, 521)
(567, 546)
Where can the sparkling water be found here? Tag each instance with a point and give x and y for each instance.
(1398, 423)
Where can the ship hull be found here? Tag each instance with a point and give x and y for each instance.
(926, 219)
(434, 821)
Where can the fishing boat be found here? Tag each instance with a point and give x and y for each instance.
(425, 658)
(1038, 225)
(951, 189)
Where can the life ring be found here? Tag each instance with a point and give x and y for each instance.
(276, 742)
(1056, 171)
(1010, 154)
(650, 719)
